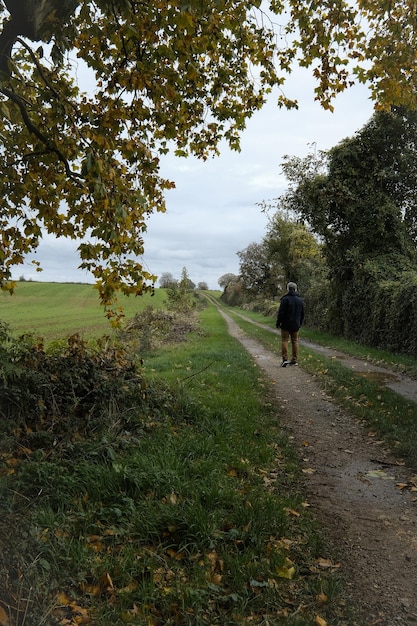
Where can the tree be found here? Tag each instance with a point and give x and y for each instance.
(167, 280)
(163, 75)
(202, 285)
(180, 295)
(86, 166)
(226, 279)
(258, 270)
(294, 248)
(365, 204)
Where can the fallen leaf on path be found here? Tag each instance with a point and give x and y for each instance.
(379, 474)
(327, 563)
(319, 621)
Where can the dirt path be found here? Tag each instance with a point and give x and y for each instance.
(351, 483)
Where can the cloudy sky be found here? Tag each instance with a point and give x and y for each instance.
(213, 213)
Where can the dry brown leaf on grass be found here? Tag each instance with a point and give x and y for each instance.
(321, 598)
(4, 620)
(292, 512)
(79, 615)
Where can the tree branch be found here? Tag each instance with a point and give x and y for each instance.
(19, 101)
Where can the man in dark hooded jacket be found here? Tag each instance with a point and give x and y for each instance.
(289, 319)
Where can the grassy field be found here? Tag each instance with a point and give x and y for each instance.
(57, 310)
(178, 504)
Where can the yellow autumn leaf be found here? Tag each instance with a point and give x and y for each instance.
(321, 598)
(379, 474)
(62, 599)
(293, 512)
(286, 572)
(319, 621)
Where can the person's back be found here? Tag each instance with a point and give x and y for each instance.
(289, 319)
(291, 311)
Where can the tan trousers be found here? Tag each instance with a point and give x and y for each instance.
(285, 337)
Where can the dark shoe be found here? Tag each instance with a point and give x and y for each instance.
(293, 363)
(284, 363)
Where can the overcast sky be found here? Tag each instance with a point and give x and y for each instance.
(212, 214)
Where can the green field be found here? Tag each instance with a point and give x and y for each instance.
(57, 310)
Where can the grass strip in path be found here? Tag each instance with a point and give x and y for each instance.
(381, 409)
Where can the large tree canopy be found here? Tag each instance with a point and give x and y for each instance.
(361, 198)
(180, 75)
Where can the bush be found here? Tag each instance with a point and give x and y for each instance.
(72, 390)
(383, 312)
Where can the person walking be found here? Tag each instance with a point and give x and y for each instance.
(290, 317)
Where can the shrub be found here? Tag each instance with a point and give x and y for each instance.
(74, 389)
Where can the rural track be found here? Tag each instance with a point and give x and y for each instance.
(352, 482)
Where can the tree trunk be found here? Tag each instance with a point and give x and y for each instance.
(37, 20)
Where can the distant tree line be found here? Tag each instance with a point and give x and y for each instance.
(167, 281)
(346, 231)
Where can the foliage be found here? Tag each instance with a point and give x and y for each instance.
(234, 294)
(161, 76)
(71, 390)
(380, 305)
(226, 279)
(289, 251)
(180, 296)
(258, 270)
(297, 251)
(86, 166)
(365, 203)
